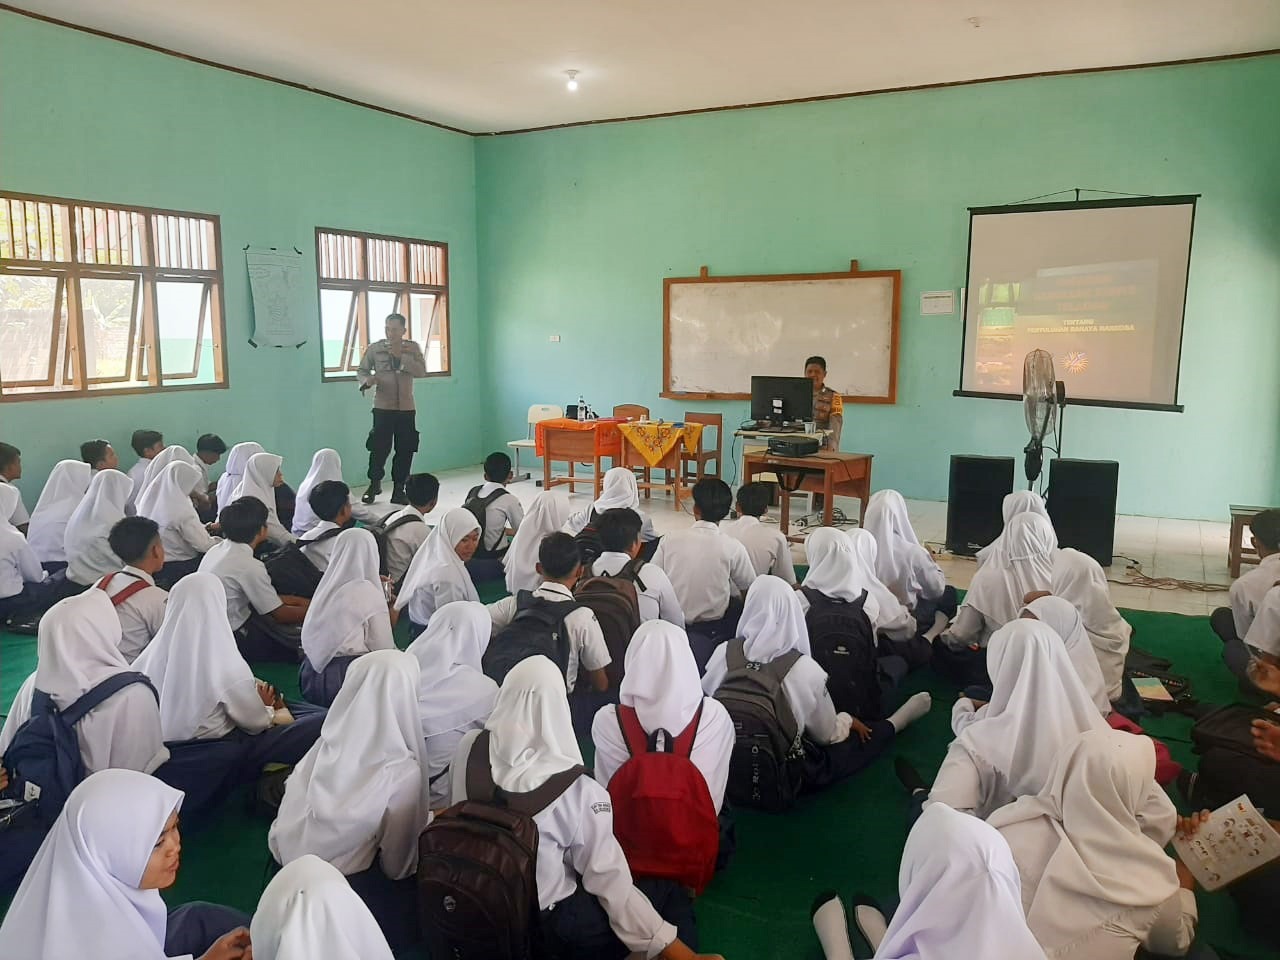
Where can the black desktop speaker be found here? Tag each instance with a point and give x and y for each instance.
(975, 501)
(1082, 505)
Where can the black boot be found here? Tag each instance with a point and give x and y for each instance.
(398, 495)
(371, 494)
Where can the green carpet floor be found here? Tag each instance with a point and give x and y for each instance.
(848, 838)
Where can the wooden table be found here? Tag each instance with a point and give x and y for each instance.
(828, 473)
(574, 442)
(642, 449)
(1239, 552)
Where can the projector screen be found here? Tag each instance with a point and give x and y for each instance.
(1100, 284)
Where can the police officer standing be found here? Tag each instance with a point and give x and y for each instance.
(390, 366)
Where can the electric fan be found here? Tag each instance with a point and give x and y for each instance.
(1042, 398)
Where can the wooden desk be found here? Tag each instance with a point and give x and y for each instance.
(574, 442)
(1239, 552)
(642, 449)
(827, 473)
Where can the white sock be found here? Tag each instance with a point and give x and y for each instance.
(833, 930)
(911, 711)
(872, 924)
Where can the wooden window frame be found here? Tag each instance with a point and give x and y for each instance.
(354, 258)
(145, 274)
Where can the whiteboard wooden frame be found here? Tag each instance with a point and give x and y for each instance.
(853, 272)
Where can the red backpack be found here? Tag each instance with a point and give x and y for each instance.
(663, 816)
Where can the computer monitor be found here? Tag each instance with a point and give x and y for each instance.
(781, 399)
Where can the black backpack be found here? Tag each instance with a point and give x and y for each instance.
(383, 529)
(765, 766)
(478, 507)
(588, 541)
(1229, 727)
(537, 630)
(615, 602)
(843, 641)
(291, 572)
(478, 867)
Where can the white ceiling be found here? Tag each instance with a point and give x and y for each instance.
(491, 65)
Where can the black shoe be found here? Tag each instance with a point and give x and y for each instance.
(371, 494)
(398, 495)
(908, 775)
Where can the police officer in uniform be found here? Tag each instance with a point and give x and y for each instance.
(390, 366)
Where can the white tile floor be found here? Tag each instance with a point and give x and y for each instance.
(1194, 550)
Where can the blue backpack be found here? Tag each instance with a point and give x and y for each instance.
(43, 759)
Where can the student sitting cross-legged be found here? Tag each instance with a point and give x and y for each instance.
(25, 587)
(175, 453)
(11, 470)
(549, 513)
(359, 798)
(209, 450)
(1232, 622)
(147, 444)
(903, 564)
(766, 546)
(619, 532)
(67, 484)
(237, 460)
(89, 556)
(406, 531)
(138, 602)
(438, 573)
(349, 616)
(167, 501)
(618, 491)
(326, 466)
(261, 479)
(330, 502)
(500, 515)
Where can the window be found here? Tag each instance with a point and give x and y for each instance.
(363, 277)
(99, 299)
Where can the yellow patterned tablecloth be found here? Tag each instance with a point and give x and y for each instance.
(656, 440)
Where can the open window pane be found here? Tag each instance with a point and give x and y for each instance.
(33, 324)
(338, 330)
(430, 329)
(186, 336)
(111, 330)
(381, 303)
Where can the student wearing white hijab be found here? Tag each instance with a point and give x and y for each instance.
(1067, 624)
(156, 465)
(549, 513)
(24, 585)
(902, 563)
(67, 484)
(661, 685)
(308, 912)
(167, 501)
(852, 559)
(771, 626)
(261, 477)
(325, 465)
(1015, 504)
(1077, 577)
(527, 740)
(1093, 883)
(237, 460)
(438, 574)
(94, 888)
(618, 490)
(454, 695)
(348, 617)
(89, 556)
(359, 798)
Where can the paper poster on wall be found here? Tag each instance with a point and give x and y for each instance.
(275, 281)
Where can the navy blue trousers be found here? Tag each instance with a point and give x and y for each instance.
(321, 687)
(577, 928)
(194, 927)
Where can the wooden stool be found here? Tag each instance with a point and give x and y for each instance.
(1239, 552)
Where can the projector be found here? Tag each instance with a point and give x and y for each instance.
(803, 446)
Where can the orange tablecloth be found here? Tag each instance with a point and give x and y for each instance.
(655, 440)
(608, 442)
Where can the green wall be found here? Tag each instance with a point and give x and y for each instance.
(578, 227)
(85, 117)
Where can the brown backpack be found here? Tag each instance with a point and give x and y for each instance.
(615, 601)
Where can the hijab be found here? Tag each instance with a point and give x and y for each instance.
(835, 571)
(193, 660)
(887, 521)
(1015, 504)
(618, 490)
(78, 647)
(891, 610)
(167, 499)
(453, 691)
(1097, 861)
(1077, 577)
(62, 493)
(325, 465)
(437, 559)
(349, 594)
(772, 621)
(80, 896)
(259, 481)
(237, 459)
(661, 681)
(1264, 632)
(88, 554)
(309, 911)
(1024, 565)
(548, 514)
(1066, 623)
(530, 731)
(960, 894)
(174, 454)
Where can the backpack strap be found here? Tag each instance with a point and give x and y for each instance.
(632, 572)
(480, 785)
(118, 599)
(327, 535)
(735, 656)
(633, 734)
(781, 666)
(683, 744)
(535, 801)
(638, 741)
(108, 687)
(399, 522)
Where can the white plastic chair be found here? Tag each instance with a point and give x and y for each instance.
(537, 413)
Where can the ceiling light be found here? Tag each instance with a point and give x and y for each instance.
(573, 80)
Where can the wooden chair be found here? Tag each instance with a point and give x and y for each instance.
(694, 465)
(634, 411)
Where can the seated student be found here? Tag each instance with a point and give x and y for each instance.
(261, 478)
(843, 565)
(1015, 504)
(1093, 883)
(560, 566)
(406, 530)
(11, 470)
(358, 799)
(1231, 623)
(772, 626)
(138, 602)
(25, 588)
(766, 546)
(237, 460)
(438, 573)
(620, 537)
(89, 555)
(1078, 578)
(349, 616)
(707, 569)
(67, 484)
(171, 454)
(995, 596)
(326, 465)
(903, 564)
(309, 910)
(499, 513)
(99, 455)
(209, 450)
(186, 540)
(548, 514)
(330, 502)
(618, 491)
(591, 906)
(1066, 622)
(245, 578)
(454, 695)
(147, 444)
(94, 888)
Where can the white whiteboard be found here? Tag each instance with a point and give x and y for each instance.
(722, 331)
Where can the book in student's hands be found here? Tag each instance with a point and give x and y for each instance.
(1234, 842)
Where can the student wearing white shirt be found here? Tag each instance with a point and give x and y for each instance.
(500, 514)
(209, 450)
(766, 546)
(89, 555)
(170, 454)
(326, 465)
(147, 444)
(237, 460)
(262, 477)
(167, 501)
(902, 562)
(406, 531)
(24, 585)
(708, 570)
(588, 897)
(67, 484)
(438, 573)
(548, 513)
(620, 536)
(1231, 623)
(330, 503)
(560, 566)
(99, 455)
(11, 470)
(1080, 579)
(138, 602)
(618, 491)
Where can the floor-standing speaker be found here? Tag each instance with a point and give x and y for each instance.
(974, 501)
(1082, 505)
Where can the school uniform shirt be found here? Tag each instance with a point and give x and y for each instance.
(237, 460)
(661, 684)
(137, 476)
(618, 491)
(18, 515)
(89, 554)
(657, 600)
(586, 639)
(902, 563)
(548, 514)
(437, 574)
(1264, 632)
(706, 568)
(259, 483)
(348, 614)
(403, 542)
(18, 562)
(505, 513)
(67, 484)
(1249, 589)
(141, 615)
(843, 566)
(318, 551)
(766, 546)
(244, 578)
(167, 501)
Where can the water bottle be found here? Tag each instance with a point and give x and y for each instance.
(582, 409)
